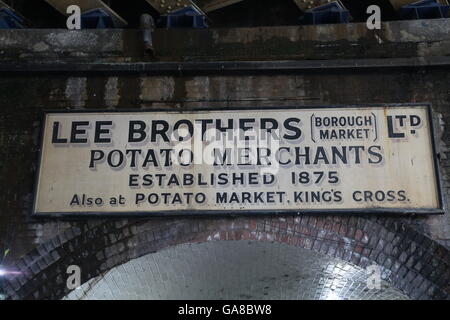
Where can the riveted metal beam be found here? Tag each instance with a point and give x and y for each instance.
(86, 5)
(211, 5)
(397, 4)
(167, 6)
(4, 5)
(309, 4)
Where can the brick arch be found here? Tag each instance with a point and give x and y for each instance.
(410, 261)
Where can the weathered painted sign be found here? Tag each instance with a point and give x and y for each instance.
(355, 159)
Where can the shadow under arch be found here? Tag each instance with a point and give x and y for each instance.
(411, 262)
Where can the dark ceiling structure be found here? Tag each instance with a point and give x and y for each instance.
(219, 13)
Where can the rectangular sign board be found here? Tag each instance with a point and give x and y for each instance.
(360, 159)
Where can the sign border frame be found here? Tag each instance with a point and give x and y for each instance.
(254, 212)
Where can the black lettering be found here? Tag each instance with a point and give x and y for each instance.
(76, 132)
(297, 132)
(137, 127)
(55, 134)
(133, 180)
(376, 154)
(96, 155)
(158, 131)
(111, 162)
(99, 131)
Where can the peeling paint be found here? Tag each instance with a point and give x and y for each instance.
(154, 89)
(76, 92)
(40, 47)
(112, 92)
(71, 38)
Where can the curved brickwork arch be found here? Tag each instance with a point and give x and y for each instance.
(411, 262)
